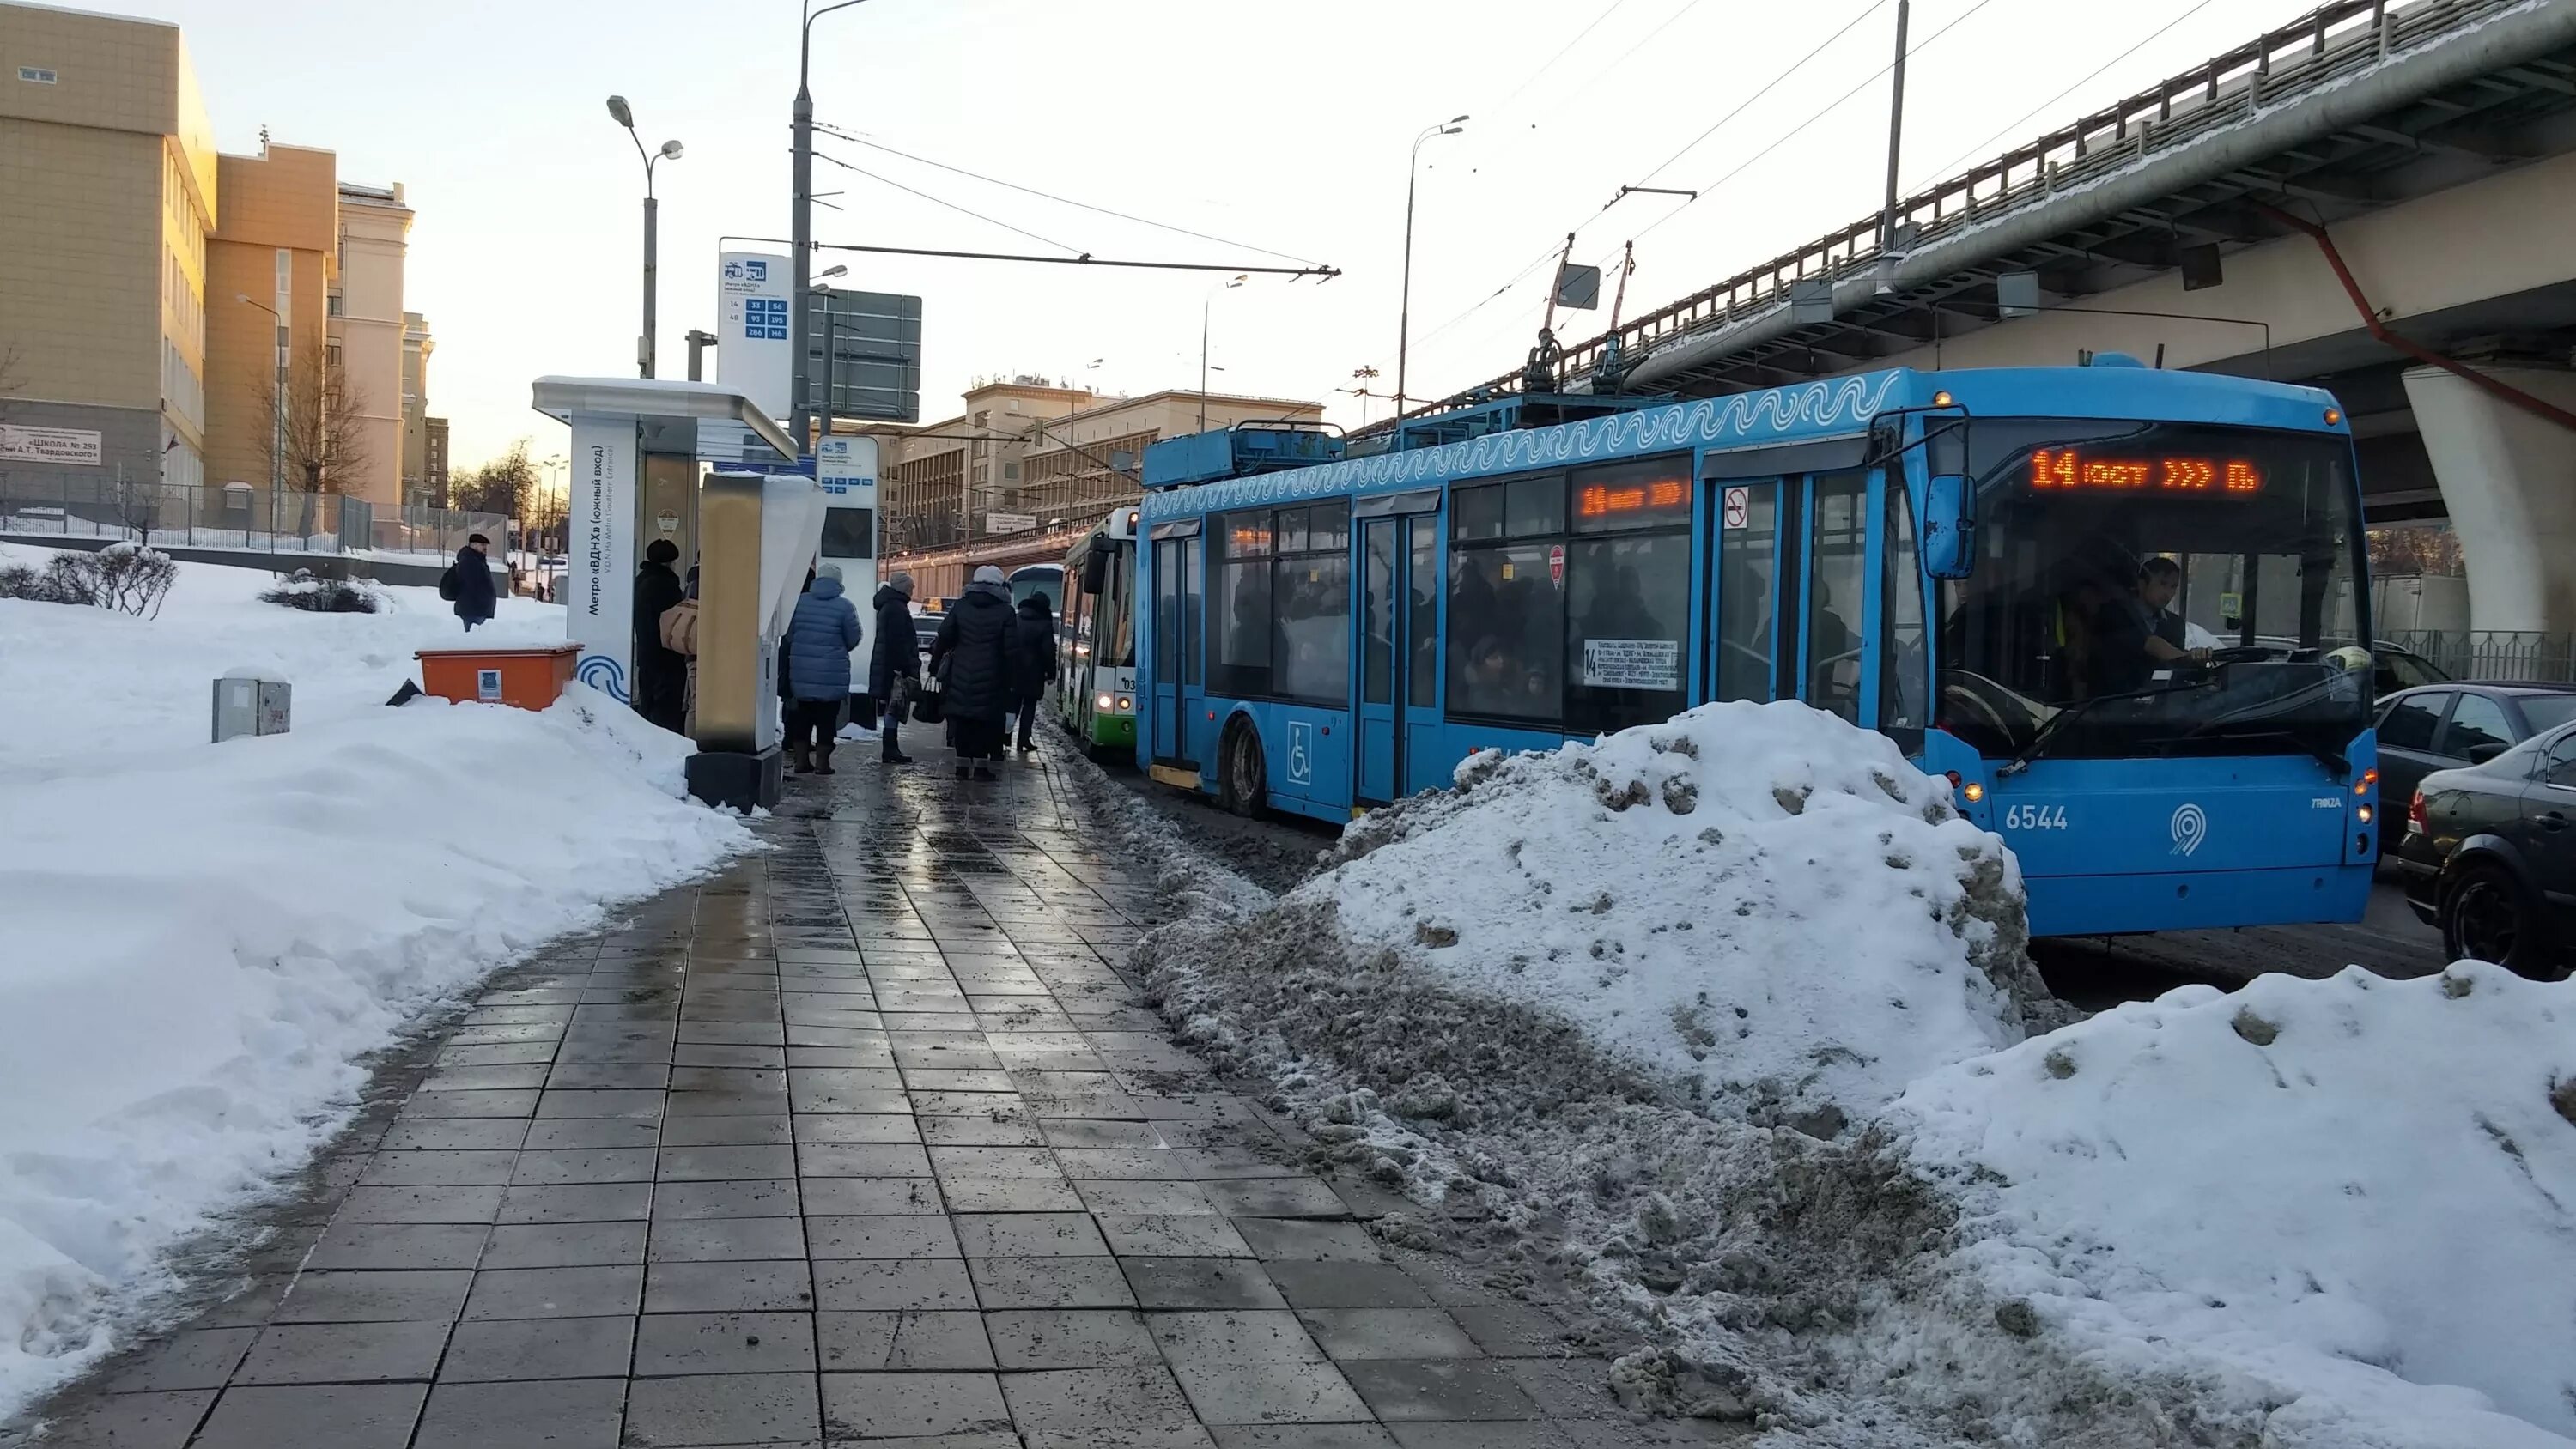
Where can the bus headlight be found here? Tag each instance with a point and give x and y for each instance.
(1125, 704)
(1101, 702)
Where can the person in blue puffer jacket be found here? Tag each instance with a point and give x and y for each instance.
(820, 636)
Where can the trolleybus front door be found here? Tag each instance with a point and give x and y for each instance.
(1755, 634)
(1399, 709)
(1176, 652)
(1194, 726)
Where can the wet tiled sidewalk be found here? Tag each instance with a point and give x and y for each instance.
(865, 1142)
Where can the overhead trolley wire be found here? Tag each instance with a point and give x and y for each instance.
(952, 206)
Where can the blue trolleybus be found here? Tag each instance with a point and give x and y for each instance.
(2047, 583)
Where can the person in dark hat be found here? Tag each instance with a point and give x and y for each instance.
(476, 599)
(661, 674)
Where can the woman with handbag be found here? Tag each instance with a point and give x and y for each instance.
(972, 661)
(894, 664)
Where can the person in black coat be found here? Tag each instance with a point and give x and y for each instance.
(1033, 664)
(476, 599)
(895, 654)
(661, 675)
(972, 661)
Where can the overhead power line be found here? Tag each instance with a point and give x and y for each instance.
(1562, 51)
(858, 140)
(1950, 167)
(952, 206)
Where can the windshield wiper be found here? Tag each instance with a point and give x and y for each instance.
(2048, 732)
(2326, 755)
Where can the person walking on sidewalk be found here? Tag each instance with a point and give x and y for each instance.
(1033, 663)
(895, 657)
(661, 674)
(972, 661)
(820, 636)
(476, 599)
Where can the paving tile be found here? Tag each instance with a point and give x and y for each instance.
(911, 1236)
(1398, 1389)
(724, 1343)
(454, 1134)
(1050, 1283)
(636, 1104)
(374, 1297)
(970, 1131)
(884, 1286)
(729, 1287)
(1277, 1197)
(726, 1164)
(1512, 1330)
(721, 1409)
(557, 1414)
(577, 1076)
(538, 1348)
(1491, 1434)
(922, 1340)
(1132, 1164)
(870, 1196)
(899, 1405)
(734, 1131)
(573, 1134)
(860, 1128)
(564, 1245)
(197, 1358)
(1308, 1436)
(1166, 1199)
(1098, 1405)
(1029, 1235)
(131, 1421)
(556, 1168)
(1200, 1283)
(1172, 1235)
(1233, 1336)
(601, 1202)
(1335, 1283)
(420, 1205)
(1349, 1333)
(437, 1168)
(463, 1078)
(1004, 1162)
(1009, 1195)
(343, 1416)
(471, 1104)
(681, 1240)
(343, 1353)
(591, 1292)
(1271, 1392)
(398, 1245)
(764, 1198)
(1069, 1338)
(1307, 1238)
(862, 1159)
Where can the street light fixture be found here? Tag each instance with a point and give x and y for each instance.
(277, 411)
(1404, 321)
(1205, 301)
(645, 349)
(801, 214)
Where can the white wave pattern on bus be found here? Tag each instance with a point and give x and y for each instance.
(1831, 403)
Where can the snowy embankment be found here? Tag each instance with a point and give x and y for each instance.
(199, 942)
(1724, 1019)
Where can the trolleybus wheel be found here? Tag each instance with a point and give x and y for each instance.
(1241, 783)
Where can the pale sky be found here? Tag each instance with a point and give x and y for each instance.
(1283, 127)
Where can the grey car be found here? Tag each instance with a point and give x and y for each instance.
(2489, 855)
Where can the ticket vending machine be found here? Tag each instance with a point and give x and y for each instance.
(636, 475)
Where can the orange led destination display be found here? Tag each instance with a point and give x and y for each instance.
(2072, 470)
(1662, 495)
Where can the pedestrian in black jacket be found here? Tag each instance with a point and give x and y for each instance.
(476, 600)
(896, 655)
(1034, 664)
(661, 675)
(972, 661)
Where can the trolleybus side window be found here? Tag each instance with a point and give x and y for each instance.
(1423, 679)
(1627, 570)
(1747, 558)
(1902, 685)
(1834, 595)
(1506, 604)
(1310, 592)
(1241, 659)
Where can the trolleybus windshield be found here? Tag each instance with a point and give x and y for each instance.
(2111, 554)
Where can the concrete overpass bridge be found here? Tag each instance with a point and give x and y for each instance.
(2380, 200)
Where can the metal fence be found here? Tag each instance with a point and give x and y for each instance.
(2492, 653)
(231, 516)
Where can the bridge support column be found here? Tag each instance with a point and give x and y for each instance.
(2509, 480)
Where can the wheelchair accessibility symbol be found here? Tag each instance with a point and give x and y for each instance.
(1301, 756)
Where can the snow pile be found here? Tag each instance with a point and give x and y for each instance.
(202, 940)
(1759, 900)
(2318, 1198)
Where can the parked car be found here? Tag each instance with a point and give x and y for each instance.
(2445, 726)
(2489, 855)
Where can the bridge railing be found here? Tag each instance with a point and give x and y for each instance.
(2326, 45)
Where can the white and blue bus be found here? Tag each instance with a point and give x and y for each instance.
(1979, 564)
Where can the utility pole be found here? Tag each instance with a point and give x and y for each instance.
(801, 231)
(1895, 133)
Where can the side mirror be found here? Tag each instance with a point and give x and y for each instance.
(1095, 571)
(1949, 526)
(2479, 754)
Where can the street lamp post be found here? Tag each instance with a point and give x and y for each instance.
(277, 412)
(1404, 322)
(1205, 302)
(644, 350)
(801, 221)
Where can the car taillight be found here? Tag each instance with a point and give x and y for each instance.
(2415, 812)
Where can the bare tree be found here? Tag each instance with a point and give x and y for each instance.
(316, 441)
(507, 485)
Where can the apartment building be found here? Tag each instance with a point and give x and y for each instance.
(417, 346)
(367, 329)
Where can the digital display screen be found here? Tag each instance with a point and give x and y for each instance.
(2084, 470)
(1660, 497)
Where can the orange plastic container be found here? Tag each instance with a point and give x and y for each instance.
(527, 677)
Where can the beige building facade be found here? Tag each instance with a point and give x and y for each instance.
(367, 330)
(1027, 468)
(417, 346)
(108, 186)
(270, 262)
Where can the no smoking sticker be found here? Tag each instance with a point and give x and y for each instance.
(1739, 507)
